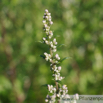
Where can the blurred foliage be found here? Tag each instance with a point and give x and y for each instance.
(78, 24)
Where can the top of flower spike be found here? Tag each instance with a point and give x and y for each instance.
(46, 10)
(47, 17)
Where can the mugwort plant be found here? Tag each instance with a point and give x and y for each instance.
(57, 91)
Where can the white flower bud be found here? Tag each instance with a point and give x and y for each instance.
(54, 89)
(47, 30)
(58, 74)
(49, 17)
(45, 53)
(46, 10)
(59, 68)
(51, 60)
(54, 50)
(46, 100)
(51, 22)
(54, 41)
(46, 42)
(56, 77)
(51, 45)
(46, 17)
(44, 39)
(44, 21)
(51, 33)
(60, 78)
(76, 96)
(57, 71)
(49, 55)
(48, 14)
(45, 25)
(57, 57)
(58, 95)
(49, 37)
(56, 61)
(54, 47)
(64, 87)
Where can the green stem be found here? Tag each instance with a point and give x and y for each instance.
(56, 83)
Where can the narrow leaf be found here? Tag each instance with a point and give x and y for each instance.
(42, 56)
(64, 59)
(60, 45)
(45, 85)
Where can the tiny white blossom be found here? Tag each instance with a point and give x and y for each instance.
(56, 61)
(48, 14)
(59, 68)
(45, 25)
(45, 53)
(49, 19)
(57, 71)
(54, 68)
(54, 89)
(46, 42)
(54, 41)
(44, 21)
(60, 78)
(50, 33)
(51, 22)
(76, 96)
(50, 36)
(46, 17)
(51, 60)
(46, 100)
(64, 87)
(50, 88)
(46, 10)
(54, 50)
(58, 95)
(54, 47)
(47, 30)
(51, 44)
(44, 39)
(57, 57)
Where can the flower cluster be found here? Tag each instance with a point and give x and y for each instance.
(47, 23)
(52, 43)
(54, 92)
(62, 93)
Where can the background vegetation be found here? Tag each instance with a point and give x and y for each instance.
(78, 24)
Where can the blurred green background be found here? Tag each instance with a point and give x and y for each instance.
(78, 24)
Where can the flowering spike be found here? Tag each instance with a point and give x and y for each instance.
(57, 91)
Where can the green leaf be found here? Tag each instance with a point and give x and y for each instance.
(42, 56)
(60, 45)
(45, 85)
(39, 41)
(64, 59)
